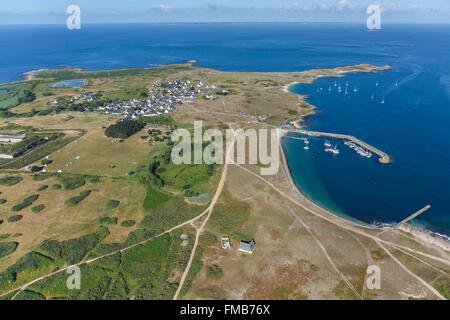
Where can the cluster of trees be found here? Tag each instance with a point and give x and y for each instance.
(27, 96)
(72, 202)
(124, 129)
(28, 201)
(74, 250)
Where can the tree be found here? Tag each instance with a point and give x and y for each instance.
(124, 129)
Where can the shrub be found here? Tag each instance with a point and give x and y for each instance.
(56, 187)
(7, 248)
(111, 204)
(16, 218)
(72, 202)
(46, 162)
(28, 201)
(74, 250)
(38, 208)
(128, 223)
(10, 180)
(42, 188)
(214, 272)
(3, 201)
(108, 220)
(73, 183)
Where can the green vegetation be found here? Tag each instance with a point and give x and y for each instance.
(56, 187)
(124, 129)
(42, 188)
(214, 272)
(2, 201)
(111, 204)
(10, 180)
(7, 248)
(38, 208)
(73, 250)
(144, 272)
(28, 201)
(72, 183)
(29, 295)
(27, 96)
(29, 267)
(108, 220)
(128, 223)
(155, 198)
(72, 202)
(15, 218)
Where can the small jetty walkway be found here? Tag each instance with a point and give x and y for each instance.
(384, 158)
(413, 216)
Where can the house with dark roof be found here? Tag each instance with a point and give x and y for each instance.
(247, 247)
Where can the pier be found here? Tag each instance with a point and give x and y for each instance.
(413, 216)
(384, 158)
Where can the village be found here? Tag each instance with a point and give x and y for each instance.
(162, 98)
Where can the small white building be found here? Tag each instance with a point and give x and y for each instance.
(247, 247)
(225, 242)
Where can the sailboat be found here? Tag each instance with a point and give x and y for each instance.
(373, 97)
(382, 101)
(327, 144)
(377, 84)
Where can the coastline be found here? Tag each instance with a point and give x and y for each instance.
(421, 235)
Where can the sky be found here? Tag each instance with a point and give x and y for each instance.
(157, 11)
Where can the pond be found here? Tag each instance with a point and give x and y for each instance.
(77, 83)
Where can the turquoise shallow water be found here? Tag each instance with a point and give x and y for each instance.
(412, 125)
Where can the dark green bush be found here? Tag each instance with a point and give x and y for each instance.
(56, 187)
(111, 204)
(108, 220)
(128, 223)
(42, 188)
(38, 208)
(10, 180)
(72, 202)
(3, 201)
(73, 183)
(15, 218)
(28, 201)
(7, 248)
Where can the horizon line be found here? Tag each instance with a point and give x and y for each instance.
(228, 22)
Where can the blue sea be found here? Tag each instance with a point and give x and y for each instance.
(413, 124)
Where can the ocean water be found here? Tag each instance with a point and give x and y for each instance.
(413, 125)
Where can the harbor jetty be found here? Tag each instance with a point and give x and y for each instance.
(384, 158)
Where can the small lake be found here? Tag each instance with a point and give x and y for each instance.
(5, 91)
(77, 83)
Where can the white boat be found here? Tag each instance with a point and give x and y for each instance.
(373, 97)
(306, 148)
(327, 144)
(383, 102)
